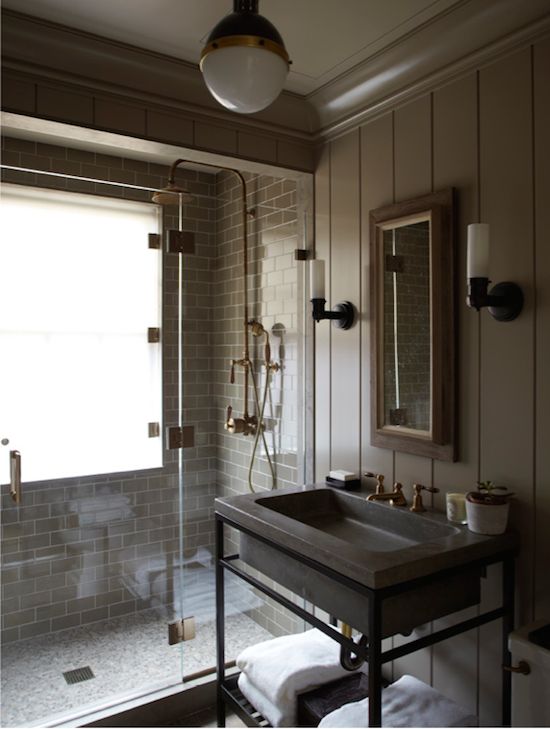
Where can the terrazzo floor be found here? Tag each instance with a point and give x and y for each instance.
(127, 655)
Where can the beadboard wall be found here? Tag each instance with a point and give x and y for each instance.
(488, 135)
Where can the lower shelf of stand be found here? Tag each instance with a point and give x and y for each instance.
(241, 705)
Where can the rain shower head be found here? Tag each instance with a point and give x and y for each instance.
(171, 194)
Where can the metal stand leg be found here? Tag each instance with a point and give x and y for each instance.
(508, 596)
(374, 662)
(220, 625)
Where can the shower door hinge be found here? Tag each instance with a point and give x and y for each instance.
(154, 430)
(153, 335)
(398, 416)
(154, 240)
(395, 264)
(180, 241)
(180, 437)
(301, 254)
(181, 630)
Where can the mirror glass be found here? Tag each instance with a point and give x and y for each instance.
(412, 317)
(406, 325)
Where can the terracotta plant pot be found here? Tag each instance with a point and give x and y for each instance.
(487, 518)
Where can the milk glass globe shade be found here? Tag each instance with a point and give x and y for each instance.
(244, 79)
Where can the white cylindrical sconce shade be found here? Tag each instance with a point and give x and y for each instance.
(317, 279)
(477, 261)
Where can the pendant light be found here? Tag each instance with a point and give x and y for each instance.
(244, 61)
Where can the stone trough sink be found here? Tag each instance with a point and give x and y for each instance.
(374, 544)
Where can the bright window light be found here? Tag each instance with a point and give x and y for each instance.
(79, 287)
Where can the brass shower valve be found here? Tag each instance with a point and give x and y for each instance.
(246, 425)
(241, 363)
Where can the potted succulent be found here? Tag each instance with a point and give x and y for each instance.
(487, 508)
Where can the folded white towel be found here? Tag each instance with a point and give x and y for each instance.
(275, 716)
(406, 703)
(283, 667)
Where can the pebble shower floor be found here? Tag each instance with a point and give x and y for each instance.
(127, 655)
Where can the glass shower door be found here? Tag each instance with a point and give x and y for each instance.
(91, 503)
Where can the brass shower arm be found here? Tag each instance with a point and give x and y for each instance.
(246, 352)
(178, 162)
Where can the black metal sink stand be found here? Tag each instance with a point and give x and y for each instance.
(227, 692)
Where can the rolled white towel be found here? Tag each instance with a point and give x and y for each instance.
(274, 714)
(283, 667)
(406, 703)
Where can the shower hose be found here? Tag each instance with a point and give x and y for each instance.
(260, 429)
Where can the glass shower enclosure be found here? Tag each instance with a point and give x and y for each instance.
(113, 348)
(92, 528)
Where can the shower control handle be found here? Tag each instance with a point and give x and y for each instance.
(234, 425)
(15, 476)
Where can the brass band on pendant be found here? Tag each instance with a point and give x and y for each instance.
(251, 41)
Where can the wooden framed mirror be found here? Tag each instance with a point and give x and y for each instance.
(412, 293)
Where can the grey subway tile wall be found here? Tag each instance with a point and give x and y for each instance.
(274, 233)
(87, 549)
(83, 550)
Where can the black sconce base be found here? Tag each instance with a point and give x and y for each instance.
(345, 308)
(512, 301)
(504, 300)
(342, 315)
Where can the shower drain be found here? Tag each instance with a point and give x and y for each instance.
(78, 674)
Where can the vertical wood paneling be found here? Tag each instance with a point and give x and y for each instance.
(541, 59)
(504, 395)
(376, 191)
(413, 177)
(507, 408)
(455, 165)
(345, 285)
(322, 333)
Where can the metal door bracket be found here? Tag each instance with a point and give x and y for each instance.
(395, 264)
(180, 241)
(153, 335)
(154, 430)
(180, 437)
(154, 240)
(181, 630)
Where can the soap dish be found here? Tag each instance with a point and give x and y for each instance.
(350, 485)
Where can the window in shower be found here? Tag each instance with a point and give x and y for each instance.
(79, 289)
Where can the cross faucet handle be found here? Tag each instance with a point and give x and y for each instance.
(418, 506)
(379, 480)
(418, 487)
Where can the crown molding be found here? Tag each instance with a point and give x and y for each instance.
(432, 81)
(465, 37)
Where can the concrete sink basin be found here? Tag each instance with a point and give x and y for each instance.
(356, 520)
(372, 543)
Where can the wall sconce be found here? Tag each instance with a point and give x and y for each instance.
(342, 315)
(504, 300)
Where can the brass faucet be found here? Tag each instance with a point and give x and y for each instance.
(395, 497)
(418, 506)
(379, 480)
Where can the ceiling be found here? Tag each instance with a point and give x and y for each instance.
(324, 38)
